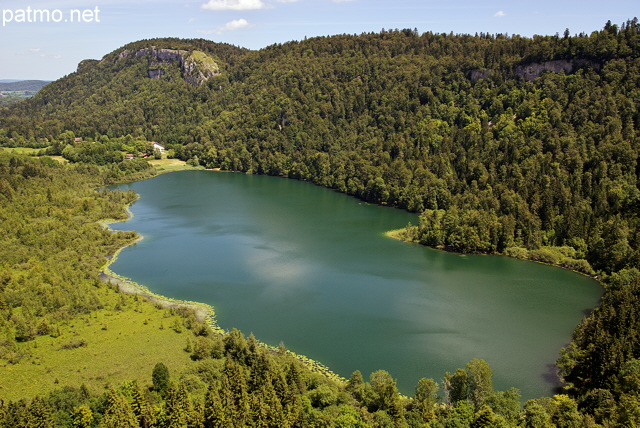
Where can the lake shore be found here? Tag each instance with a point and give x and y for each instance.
(399, 234)
(203, 312)
(281, 281)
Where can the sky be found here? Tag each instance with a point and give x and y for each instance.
(45, 40)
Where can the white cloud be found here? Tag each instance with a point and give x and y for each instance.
(499, 14)
(236, 24)
(234, 5)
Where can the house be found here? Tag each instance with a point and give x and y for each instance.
(157, 146)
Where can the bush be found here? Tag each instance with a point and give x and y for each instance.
(76, 343)
(578, 265)
(517, 252)
(322, 397)
(566, 251)
(545, 255)
(202, 348)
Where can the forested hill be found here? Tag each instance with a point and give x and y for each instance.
(456, 126)
(23, 85)
(504, 144)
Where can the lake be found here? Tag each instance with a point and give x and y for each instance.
(310, 267)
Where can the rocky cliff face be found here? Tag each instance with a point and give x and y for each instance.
(535, 69)
(196, 66)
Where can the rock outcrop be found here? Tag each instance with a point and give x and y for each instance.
(534, 70)
(479, 74)
(196, 66)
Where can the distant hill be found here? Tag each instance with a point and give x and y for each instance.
(22, 85)
(12, 91)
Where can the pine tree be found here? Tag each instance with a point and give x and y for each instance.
(233, 393)
(160, 378)
(214, 413)
(82, 416)
(141, 407)
(355, 385)
(426, 398)
(118, 412)
(178, 407)
(294, 379)
(17, 414)
(40, 414)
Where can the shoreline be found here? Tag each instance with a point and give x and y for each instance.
(398, 234)
(204, 313)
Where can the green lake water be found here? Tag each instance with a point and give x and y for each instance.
(309, 267)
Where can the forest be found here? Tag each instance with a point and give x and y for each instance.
(526, 147)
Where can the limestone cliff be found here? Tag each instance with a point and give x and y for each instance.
(196, 66)
(533, 70)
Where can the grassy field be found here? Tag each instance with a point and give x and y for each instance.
(116, 344)
(59, 159)
(31, 152)
(22, 150)
(107, 347)
(161, 165)
(169, 165)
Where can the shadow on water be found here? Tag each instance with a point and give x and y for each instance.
(552, 378)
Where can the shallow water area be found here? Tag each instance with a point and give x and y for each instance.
(309, 267)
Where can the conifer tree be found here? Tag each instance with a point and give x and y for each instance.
(40, 414)
(118, 412)
(426, 398)
(141, 407)
(160, 378)
(214, 413)
(234, 392)
(178, 407)
(82, 416)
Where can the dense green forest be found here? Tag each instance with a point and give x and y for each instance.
(527, 147)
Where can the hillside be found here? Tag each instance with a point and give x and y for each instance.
(528, 147)
(23, 85)
(14, 91)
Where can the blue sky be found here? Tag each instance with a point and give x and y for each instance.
(31, 48)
